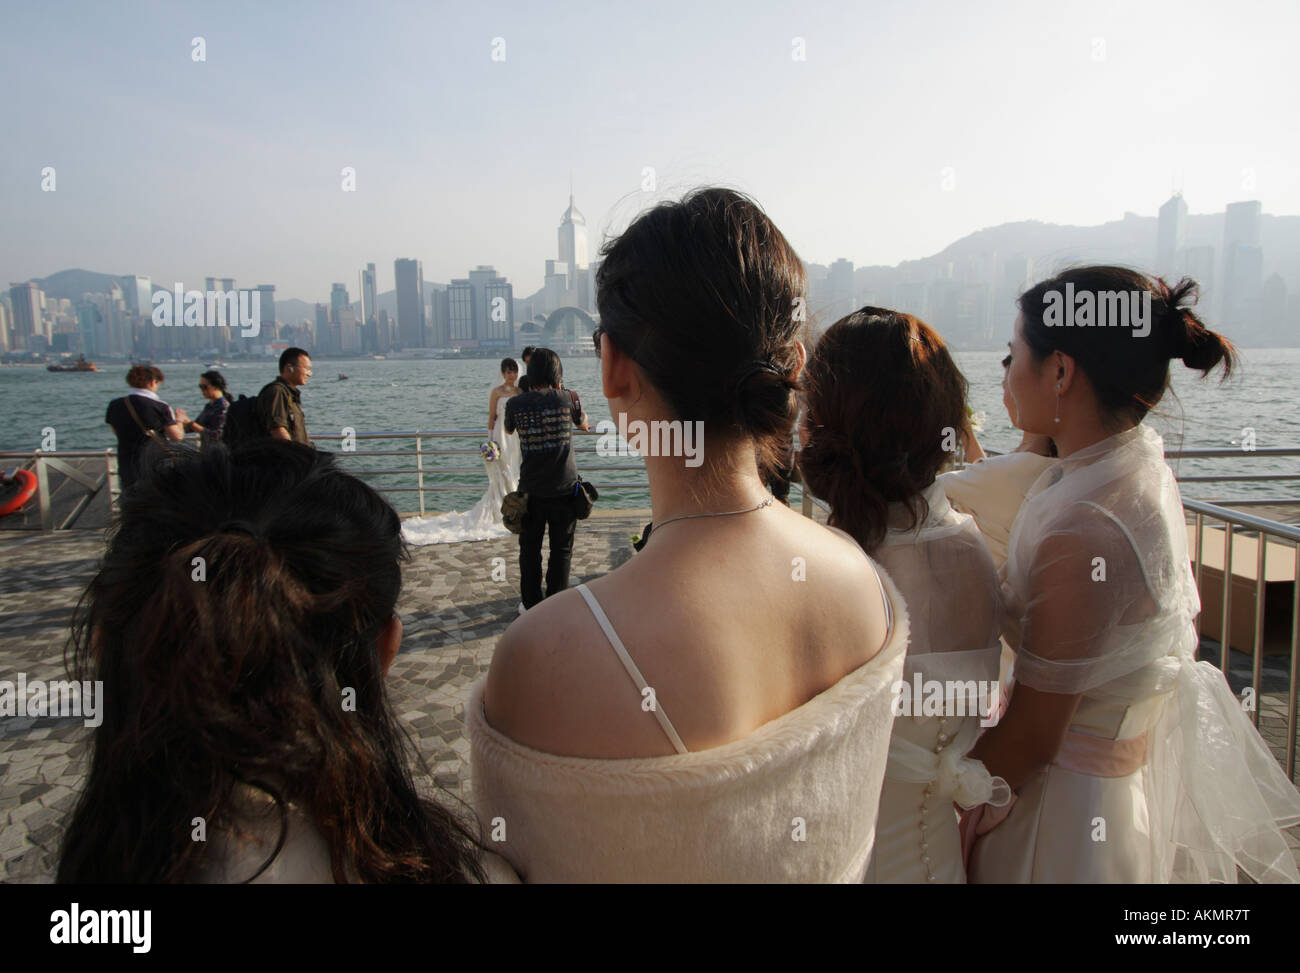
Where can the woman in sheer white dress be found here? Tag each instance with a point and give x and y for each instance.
(883, 401)
(1132, 762)
(992, 488)
(482, 521)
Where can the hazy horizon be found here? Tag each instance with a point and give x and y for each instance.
(903, 130)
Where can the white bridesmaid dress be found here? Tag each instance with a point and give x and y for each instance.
(1162, 777)
(482, 521)
(946, 576)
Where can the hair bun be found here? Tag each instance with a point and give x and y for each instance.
(763, 400)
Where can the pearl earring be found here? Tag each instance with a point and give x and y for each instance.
(1058, 403)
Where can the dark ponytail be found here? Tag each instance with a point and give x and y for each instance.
(1189, 339)
(707, 296)
(242, 592)
(1128, 372)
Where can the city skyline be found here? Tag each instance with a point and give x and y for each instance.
(965, 298)
(872, 153)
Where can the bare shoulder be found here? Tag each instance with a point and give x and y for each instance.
(848, 579)
(556, 685)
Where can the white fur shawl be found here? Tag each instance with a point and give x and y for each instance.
(795, 801)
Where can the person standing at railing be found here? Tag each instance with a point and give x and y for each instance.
(1130, 760)
(991, 488)
(141, 418)
(279, 404)
(544, 418)
(507, 443)
(501, 459)
(212, 420)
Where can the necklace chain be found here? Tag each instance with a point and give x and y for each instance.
(725, 513)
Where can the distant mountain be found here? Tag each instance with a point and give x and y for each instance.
(72, 284)
(1130, 241)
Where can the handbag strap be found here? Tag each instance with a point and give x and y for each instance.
(136, 416)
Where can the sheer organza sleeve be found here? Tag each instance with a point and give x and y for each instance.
(1081, 603)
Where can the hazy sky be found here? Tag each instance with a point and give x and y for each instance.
(1068, 112)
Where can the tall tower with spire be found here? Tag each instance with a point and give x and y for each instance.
(573, 242)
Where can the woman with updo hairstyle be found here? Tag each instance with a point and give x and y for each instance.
(241, 624)
(1131, 761)
(884, 411)
(716, 709)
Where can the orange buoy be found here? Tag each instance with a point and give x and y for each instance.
(26, 481)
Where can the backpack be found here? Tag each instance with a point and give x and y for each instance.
(241, 422)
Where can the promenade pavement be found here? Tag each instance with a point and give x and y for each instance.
(452, 611)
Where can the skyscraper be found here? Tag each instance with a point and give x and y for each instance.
(323, 329)
(440, 319)
(461, 310)
(369, 307)
(266, 333)
(137, 291)
(840, 287)
(409, 278)
(338, 302)
(25, 301)
(1243, 269)
(572, 236)
(1171, 235)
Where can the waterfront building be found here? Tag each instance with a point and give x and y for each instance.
(409, 276)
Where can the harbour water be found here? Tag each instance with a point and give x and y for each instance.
(393, 395)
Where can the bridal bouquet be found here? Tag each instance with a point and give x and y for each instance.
(490, 452)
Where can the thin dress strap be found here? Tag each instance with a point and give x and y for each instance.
(630, 666)
(875, 569)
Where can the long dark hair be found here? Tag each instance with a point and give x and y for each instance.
(217, 381)
(885, 408)
(1129, 374)
(707, 297)
(239, 677)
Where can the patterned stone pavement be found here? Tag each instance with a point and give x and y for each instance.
(452, 610)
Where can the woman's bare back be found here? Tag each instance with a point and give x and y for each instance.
(733, 623)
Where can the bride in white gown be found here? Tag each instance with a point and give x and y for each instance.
(482, 521)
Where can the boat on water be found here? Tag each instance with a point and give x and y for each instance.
(342, 377)
(80, 365)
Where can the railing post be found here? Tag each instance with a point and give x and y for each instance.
(43, 493)
(1200, 555)
(1295, 669)
(108, 478)
(1257, 662)
(419, 470)
(1227, 596)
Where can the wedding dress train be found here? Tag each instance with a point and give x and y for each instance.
(482, 521)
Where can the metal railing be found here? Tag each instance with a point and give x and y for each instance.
(1264, 530)
(82, 469)
(427, 459)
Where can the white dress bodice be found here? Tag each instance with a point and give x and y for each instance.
(946, 575)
